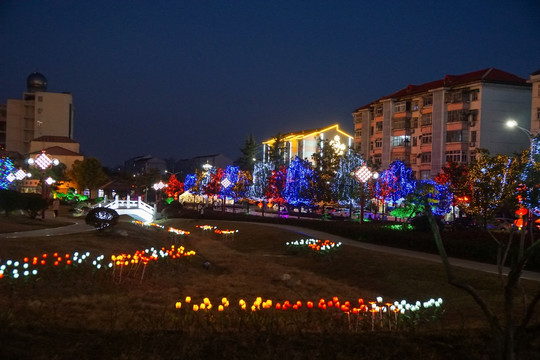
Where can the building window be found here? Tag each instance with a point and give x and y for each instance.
(414, 123)
(474, 95)
(378, 126)
(414, 141)
(454, 97)
(456, 136)
(538, 113)
(378, 143)
(358, 117)
(473, 136)
(358, 133)
(400, 106)
(377, 159)
(455, 116)
(40, 98)
(401, 123)
(538, 90)
(401, 140)
(415, 105)
(378, 111)
(427, 100)
(426, 139)
(456, 156)
(424, 174)
(426, 119)
(425, 157)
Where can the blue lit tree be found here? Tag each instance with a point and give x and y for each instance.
(6, 168)
(395, 183)
(300, 183)
(190, 183)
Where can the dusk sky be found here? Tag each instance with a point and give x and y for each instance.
(178, 79)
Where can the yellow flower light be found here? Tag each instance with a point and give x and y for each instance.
(178, 305)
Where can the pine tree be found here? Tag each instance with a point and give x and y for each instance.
(249, 154)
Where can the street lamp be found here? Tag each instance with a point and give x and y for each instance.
(158, 187)
(363, 174)
(43, 162)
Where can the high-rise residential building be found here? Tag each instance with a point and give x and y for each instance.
(427, 125)
(38, 114)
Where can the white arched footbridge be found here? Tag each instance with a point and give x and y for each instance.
(137, 209)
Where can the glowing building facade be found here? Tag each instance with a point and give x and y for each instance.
(305, 143)
(427, 125)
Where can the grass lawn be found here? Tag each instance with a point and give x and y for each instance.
(78, 311)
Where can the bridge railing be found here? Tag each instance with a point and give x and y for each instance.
(132, 204)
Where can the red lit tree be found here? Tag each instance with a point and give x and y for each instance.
(276, 185)
(174, 187)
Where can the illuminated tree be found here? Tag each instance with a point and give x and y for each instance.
(455, 176)
(395, 183)
(190, 183)
(261, 173)
(345, 187)
(6, 168)
(299, 184)
(213, 182)
(276, 185)
(488, 177)
(174, 187)
(326, 160)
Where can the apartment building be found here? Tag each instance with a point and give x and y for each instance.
(305, 143)
(38, 114)
(427, 125)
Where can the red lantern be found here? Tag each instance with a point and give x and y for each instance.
(521, 211)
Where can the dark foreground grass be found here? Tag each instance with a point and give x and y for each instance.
(81, 313)
(42, 343)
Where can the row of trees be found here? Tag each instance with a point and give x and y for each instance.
(488, 186)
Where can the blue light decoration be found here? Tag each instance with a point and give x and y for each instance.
(229, 178)
(299, 189)
(346, 188)
(395, 183)
(6, 168)
(261, 173)
(190, 182)
(440, 197)
(530, 191)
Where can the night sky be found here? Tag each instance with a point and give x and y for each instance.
(177, 79)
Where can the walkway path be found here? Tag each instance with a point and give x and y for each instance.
(466, 264)
(78, 226)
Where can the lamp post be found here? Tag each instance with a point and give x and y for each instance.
(363, 174)
(158, 187)
(533, 150)
(43, 162)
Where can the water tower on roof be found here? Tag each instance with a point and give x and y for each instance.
(36, 82)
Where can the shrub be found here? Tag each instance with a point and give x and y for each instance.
(33, 204)
(10, 200)
(102, 218)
